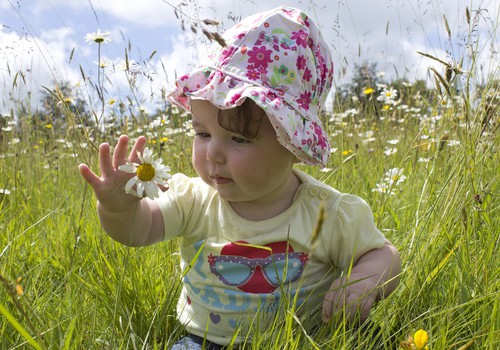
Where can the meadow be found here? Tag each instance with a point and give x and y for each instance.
(426, 159)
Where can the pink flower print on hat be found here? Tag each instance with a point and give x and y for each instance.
(259, 57)
(280, 61)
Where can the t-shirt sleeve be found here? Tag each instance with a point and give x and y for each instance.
(180, 205)
(353, 231)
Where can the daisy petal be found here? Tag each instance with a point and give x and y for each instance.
(147, 155)
(140, 189)
(128, 168)
(151, 189)
(130, 184)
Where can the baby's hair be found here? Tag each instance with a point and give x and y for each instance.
(244, 119)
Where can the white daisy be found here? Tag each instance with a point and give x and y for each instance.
(390, 151)
(4, 191)
(394, 176)
(148, 175)
(385, 188)
(98, 37)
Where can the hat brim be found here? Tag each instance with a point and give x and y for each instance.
(305, 138)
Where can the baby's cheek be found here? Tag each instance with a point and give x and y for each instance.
(198, 163)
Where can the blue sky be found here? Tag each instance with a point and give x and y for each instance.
(38, 38)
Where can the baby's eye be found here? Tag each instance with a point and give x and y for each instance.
(202, 134)
(238, 139)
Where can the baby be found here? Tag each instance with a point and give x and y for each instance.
(257, 234)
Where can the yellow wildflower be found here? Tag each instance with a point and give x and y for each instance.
(19, 288)
(417, 342)
(420, 339)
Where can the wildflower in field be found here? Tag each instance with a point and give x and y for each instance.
(98, 37)
(393, 142)
(65, 101)
(390, 151)
(144, 109)
(4, 192)
(385, 188)
(388, 96)
(164, 139)
(394, 176)
(421, 338)
(368, 91)
(158, 122)
(148, 175)
(19, 288)
(104, 62)
(452, 143)
(48, 126)
(416, 342)
(436, 118)
(368, 140)
(423, 160)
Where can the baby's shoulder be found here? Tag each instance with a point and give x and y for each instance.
(314, 190)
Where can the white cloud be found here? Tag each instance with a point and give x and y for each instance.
(27, 64)
(146, 13)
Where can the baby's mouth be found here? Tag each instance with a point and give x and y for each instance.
(220, 180)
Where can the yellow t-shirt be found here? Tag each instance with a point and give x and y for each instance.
(247, 268)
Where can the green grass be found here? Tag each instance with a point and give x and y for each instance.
(81, 290)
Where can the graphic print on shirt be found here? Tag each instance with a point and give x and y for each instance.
(257, 269)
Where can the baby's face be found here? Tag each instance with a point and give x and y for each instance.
(242, 169)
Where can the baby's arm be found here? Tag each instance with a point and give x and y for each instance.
(127, 219)
(375, 275)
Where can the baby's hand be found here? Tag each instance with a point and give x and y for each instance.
(109, 187)
(353, 298)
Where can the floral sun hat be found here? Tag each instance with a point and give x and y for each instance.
(280, 61)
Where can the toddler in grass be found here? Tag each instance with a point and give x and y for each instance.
(249, 247)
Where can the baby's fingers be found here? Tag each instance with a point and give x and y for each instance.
(120, 151)
(89, 175)
(105, 164)
(137, 149)
(332, 301)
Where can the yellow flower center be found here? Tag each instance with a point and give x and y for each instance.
(145, 172)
